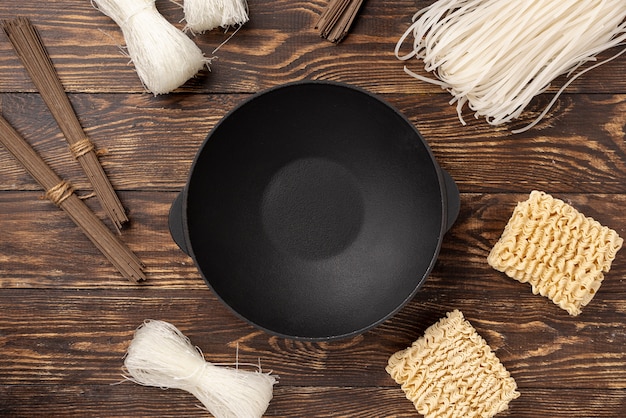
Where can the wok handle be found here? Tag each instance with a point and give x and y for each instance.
(176, 224)
(453, 199)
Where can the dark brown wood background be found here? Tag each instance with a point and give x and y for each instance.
(66, 315)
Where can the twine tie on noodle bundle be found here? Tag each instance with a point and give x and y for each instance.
(131, 15)
(82, 147)
(59, 193)
(162, 356)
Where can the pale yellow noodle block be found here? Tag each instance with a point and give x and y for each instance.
(555, 248)
(452, 372)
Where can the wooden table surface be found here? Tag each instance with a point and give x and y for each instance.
(67, 316)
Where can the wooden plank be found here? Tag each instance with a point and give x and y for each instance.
(85, 333)
(127, 400)
(42, 248)
(278, 45)
(151, 142)
(134, 131)
(67, 315)
(35, 234)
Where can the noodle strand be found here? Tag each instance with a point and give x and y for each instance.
(495, 56)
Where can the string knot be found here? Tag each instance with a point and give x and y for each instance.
(82, 147)
(59, 193)
(123, 24)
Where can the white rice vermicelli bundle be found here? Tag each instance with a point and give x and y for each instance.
(496, 55)
(161, 355)
(164, 57)
(205, 15)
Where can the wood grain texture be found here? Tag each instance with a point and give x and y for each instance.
(279, 45)
(541, 349)
(35, 232)
(78, 401)
(578, 148)
(67, 316)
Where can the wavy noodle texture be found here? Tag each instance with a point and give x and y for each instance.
(496, 56)
(555, 248)
(451, 372)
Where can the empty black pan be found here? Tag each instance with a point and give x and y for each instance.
(314, 210)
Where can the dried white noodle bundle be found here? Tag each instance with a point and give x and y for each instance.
(164, 57)
(495, 55)
(204, 15)
(160, 355)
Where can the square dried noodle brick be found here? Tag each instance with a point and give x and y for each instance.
(452, 372)
(561, 253)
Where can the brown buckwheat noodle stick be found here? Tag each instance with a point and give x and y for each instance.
(32, 53)
(336, 20)
(61, 194)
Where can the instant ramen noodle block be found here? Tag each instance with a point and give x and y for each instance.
(560, 252)
(451, 372)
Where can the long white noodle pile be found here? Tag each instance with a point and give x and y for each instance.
(204, 15)
(160, 355)
(164, 57)
(496, 55)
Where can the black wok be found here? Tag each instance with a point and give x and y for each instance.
(314, 210)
